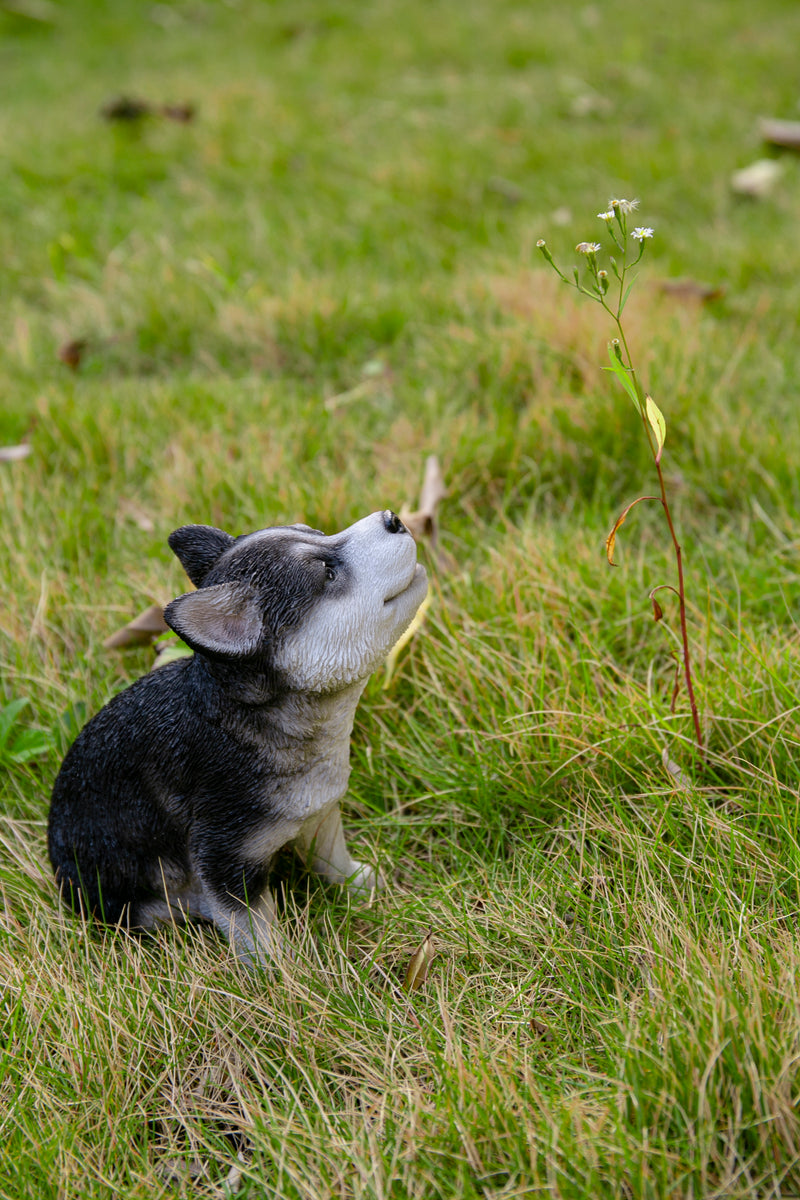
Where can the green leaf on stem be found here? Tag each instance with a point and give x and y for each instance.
(657, 423)
(622, 373)
(625, 298)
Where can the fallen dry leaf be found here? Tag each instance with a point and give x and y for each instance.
(136, 515)
(125, 108)
(690, 289)
(130, 108)
(422, 523)
(785, 134)
(758, 180)
(682, 781)
(72, 352)
(14, 453)
(141, 631)
(182, 113)
(419, 965)
(394, 653)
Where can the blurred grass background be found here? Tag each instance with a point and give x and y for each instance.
(284, 305)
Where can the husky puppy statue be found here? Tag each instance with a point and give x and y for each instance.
(174, 799)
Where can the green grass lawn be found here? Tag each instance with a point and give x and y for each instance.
(287, 304)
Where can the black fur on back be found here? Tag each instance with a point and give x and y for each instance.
(119, 813)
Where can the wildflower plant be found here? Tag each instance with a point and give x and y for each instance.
(611, 289)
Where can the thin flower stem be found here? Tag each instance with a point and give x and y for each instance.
(687, 662)
(687, 667)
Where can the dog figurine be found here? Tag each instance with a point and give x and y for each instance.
(176, 796)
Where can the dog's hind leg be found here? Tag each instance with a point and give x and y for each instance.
(322, 847)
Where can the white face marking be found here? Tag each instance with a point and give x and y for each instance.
(347, 635)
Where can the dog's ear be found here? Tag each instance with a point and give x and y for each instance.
(223, 620)
(198, 547)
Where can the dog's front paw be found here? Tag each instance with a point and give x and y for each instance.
(364, 880)
(262, 954)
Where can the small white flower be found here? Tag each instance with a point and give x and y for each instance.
(588, 247)
(607, 216)
(641, 233)
(624, 206)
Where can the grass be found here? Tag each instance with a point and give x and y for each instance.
(287, 305)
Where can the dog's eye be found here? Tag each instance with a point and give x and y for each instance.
(330, 573)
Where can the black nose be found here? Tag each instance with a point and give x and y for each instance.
(392, 522)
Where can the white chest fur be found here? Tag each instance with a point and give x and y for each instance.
(312, 753)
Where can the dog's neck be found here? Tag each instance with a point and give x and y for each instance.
(318, 722)
(263, 695)
(231, 683)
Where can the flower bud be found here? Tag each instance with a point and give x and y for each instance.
(546, 255)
